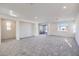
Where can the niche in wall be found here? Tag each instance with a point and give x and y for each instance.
(26, 29)
(8, 29)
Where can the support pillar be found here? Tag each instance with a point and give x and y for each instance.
(36, 30)
(17, 30)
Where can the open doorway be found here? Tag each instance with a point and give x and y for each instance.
(43, 29)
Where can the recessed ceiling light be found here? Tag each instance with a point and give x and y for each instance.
(35, 17)
(64, 7)
(72, 18)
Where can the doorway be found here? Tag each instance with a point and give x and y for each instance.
(43, 29)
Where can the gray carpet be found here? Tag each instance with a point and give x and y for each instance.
(40, 46)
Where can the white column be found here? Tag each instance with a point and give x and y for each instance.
(49, 29)
(0, 30)
(36, 30)
(17, 30)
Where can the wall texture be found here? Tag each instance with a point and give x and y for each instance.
(8, 34)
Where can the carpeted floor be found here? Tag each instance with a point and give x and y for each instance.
(40, 46)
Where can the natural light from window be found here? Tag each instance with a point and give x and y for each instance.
(62, 27)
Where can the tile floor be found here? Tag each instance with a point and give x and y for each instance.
(40, 46)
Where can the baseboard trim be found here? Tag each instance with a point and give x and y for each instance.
(27, 37)
(61, 36)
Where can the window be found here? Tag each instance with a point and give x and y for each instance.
(68, 27)
(62, 27)
(8, 25)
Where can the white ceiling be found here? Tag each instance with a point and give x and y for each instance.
(44, 12)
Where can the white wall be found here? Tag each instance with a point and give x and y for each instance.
(0, 30)
(26, 29)
(77, 30)
(53, 30)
